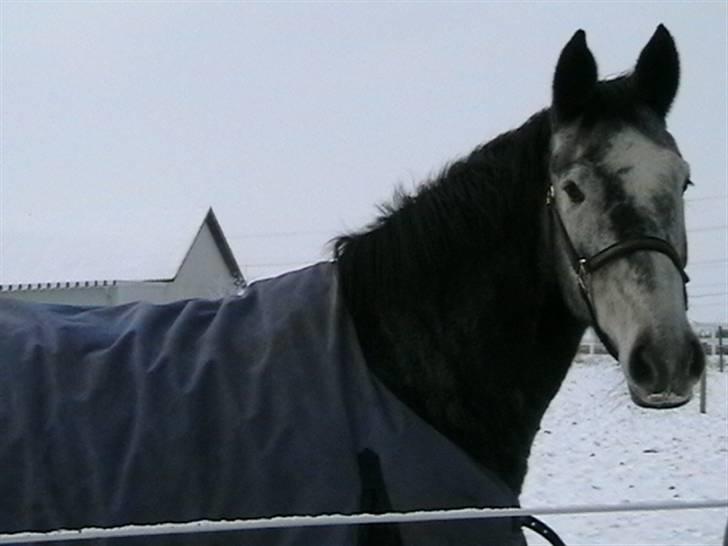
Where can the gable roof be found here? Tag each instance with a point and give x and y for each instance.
(37, 257)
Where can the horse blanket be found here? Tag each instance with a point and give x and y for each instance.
(248, 407)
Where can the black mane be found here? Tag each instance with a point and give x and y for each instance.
(465, 214)
(454, 299)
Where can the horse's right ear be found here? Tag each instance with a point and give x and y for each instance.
(658, 72)
(574, 79)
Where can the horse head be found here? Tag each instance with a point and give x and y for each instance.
(617, 180)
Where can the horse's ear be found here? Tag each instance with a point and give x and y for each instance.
(574, 79)
(657, 73)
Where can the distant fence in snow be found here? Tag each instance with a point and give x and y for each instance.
(713, 338)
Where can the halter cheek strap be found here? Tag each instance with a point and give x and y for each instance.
(583, 266)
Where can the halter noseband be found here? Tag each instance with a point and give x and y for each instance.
(583, 267)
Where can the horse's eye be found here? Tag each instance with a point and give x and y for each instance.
(574, 193)
(687, 184)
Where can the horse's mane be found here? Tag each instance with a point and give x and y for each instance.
(448, 290)
(482, 203)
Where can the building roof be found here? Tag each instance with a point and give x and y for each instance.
(33, 258)
(222, 244)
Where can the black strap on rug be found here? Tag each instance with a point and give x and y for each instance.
(374, 500)
(538, 526)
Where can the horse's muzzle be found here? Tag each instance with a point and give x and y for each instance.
(662, 375)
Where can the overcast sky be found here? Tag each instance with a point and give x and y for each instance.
(122, 121)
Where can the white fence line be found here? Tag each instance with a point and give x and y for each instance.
(326, 520)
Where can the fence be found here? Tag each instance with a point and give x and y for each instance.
(714, 340)
(328, 520)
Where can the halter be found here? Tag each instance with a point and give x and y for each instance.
(583, 267)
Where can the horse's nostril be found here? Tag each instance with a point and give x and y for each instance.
(640, 369)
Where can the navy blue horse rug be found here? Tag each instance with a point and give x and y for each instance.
(253, 406)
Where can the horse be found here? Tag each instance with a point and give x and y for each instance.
(463, 305)
(471, 296)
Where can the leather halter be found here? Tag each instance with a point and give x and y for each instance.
(583, 266)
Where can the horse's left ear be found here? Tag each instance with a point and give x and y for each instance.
(657, 73)
(574, 78)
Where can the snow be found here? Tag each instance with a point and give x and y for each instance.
(597, 447)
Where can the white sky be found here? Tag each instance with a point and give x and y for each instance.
(122, 122)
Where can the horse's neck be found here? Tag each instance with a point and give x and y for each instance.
(482, 373)
(466, 327)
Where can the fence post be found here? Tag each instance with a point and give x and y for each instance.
(703, 390)
(720, 347)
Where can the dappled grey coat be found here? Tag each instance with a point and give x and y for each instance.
(247, 407)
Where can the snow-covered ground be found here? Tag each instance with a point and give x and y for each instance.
(596, 447)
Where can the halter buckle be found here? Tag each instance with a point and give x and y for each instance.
(581, 274)
(550, 195)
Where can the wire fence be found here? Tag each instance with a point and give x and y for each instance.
(330, 520)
